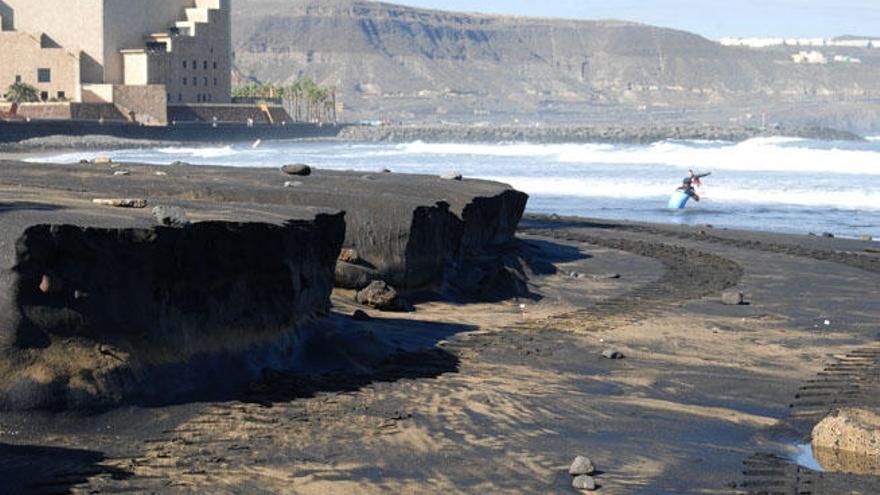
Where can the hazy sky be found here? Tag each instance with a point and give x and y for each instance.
(711, 18)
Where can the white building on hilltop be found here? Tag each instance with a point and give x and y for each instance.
(812, 57)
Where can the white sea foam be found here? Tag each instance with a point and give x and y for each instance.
(773, 154)
(728, 193)
(199, 152)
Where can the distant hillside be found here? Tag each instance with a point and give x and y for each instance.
(424, 65)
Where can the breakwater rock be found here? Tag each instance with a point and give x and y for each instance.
(100, 306)
(580, 134)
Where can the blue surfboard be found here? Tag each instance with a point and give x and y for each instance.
(678, 200)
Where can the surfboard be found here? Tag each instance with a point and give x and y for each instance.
(678, 200)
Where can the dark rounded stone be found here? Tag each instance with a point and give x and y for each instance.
(297, 169)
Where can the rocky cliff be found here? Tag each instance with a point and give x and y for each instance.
(423, 65)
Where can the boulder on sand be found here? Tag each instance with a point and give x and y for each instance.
(581, 465)
(848, 440)
(297, 169)
(732, 297)
(381, 296)
(584, 482)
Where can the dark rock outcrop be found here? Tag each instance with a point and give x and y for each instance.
(98, 309)
(412, 231)
(98, 305)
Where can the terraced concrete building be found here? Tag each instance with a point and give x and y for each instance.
(133, 53)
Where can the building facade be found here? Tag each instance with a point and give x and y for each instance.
(104, 50)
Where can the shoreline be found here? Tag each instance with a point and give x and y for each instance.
(34, 156)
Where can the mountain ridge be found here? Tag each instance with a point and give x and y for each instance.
(422, 65)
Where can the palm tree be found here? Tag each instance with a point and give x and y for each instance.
(22, 93)
(311, 94)
(296, 93)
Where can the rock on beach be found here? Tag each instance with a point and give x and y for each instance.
(581, 465)
(381, 296)
(584, 482)
(299, 169)
(170, 216)
(732, 298)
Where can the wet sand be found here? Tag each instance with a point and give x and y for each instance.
(492, 398)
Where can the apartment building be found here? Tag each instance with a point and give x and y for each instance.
(119, 51)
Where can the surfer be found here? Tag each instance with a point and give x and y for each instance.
(687, 187)
(687, 190)
(695, 178)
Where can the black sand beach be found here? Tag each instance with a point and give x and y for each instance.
(481, 391)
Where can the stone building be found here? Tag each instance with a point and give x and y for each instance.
(143, 53)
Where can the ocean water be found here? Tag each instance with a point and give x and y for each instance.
(773, 184)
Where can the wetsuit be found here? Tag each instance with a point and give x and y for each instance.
(688, 189)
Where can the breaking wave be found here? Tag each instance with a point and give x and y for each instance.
(774, 154)
(718, 192)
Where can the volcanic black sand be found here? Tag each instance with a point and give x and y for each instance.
(497, 397)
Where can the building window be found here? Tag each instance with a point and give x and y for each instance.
(210, 97)
(44, 95)
(168, 96)
(215, 65)
(184, 64)
(62, 96)
(179, 97)
(195, 64)
(18, 79)
(205, 81)
(44, 75)
(215, 81)
(205, 66)
(184, 81)
(195, 81)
